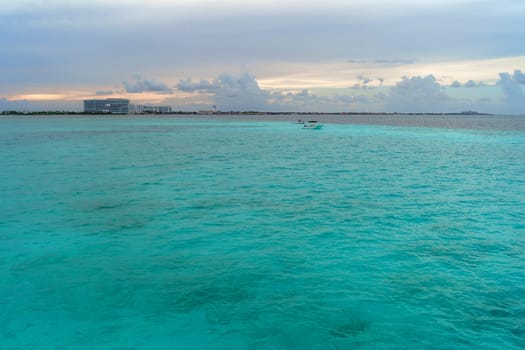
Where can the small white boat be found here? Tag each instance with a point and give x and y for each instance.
(312, 124)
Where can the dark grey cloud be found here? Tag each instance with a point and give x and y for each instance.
(455, 84)
(140, 85)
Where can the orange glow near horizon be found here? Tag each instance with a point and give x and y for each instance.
(39, 97)
(79, 95)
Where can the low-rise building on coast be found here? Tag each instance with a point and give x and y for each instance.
(122, 106)
(149, 109)
(108, 105)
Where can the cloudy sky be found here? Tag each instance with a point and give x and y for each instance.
(268, 55)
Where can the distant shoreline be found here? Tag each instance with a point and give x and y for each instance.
(468, 113)
(473, 121)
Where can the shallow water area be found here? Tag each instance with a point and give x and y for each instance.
(251, 233)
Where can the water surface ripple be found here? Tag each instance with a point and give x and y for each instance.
(151, 233)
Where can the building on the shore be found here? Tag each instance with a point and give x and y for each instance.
(163, 109)
(108, 105)
(149, 109)
(136, 109)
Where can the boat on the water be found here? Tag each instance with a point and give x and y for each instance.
(312, 124)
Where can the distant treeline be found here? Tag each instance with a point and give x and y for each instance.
(82, 113)
(239, 113)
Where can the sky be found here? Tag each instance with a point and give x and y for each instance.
(286, 55)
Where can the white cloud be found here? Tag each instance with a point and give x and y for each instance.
(243, 93)
(231, 92)
(518, 76)
(186, 85)
(410, 94)
(514, 100)
(240, 93)
(471, 83)
(509, 85)
(418, 94)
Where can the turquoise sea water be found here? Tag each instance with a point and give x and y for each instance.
(172, 233)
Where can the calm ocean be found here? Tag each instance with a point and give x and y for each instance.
(201, 233)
